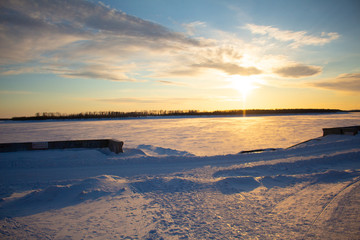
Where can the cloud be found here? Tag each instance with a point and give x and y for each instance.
(188, 71)
(349, 82)
(227, 59)
(67, 32)
(297, 39)
(84, 17)
(99, 72)
(230, 68)
(171, 83)
(16, 71)
(24, 36)
(191, 27)
(97, 75)
(86, 39)
(298, 71)
(141, 100)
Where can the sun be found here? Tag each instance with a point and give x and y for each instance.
(244, 85)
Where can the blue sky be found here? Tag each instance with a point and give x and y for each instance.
(77, 56)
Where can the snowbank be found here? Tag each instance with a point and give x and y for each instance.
(309, 191)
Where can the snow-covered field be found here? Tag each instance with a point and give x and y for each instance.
(310, 191)
(202, 136)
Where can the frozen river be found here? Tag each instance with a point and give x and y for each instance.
(200, 136)
(311, 191)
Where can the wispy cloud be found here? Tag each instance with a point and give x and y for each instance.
(155, 100)
(191, 27)
(229, 68)
(298, 71)
(85, 39)
(296, 39)
(226, 59)
(16, 71)
(100, 72)
(58, 32)
(10, 92)
(171, 83)
(348, 82)
(83, 18)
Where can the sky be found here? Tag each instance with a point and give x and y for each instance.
(75, 56)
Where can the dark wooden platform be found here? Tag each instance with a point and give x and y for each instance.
(352, 130)
(114, 145)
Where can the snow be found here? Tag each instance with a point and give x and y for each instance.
(204, 136)
(309, 191)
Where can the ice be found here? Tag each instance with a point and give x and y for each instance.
(203, 136)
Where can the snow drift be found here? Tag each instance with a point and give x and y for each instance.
(310, 191)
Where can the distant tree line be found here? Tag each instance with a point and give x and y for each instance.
(150, 113)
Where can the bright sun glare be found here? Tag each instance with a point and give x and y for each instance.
(244, 85)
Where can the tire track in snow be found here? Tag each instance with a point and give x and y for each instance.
(325, 207)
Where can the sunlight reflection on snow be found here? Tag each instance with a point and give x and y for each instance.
(200, 136)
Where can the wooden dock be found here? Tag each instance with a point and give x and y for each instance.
(113, 145)
(352, 130)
